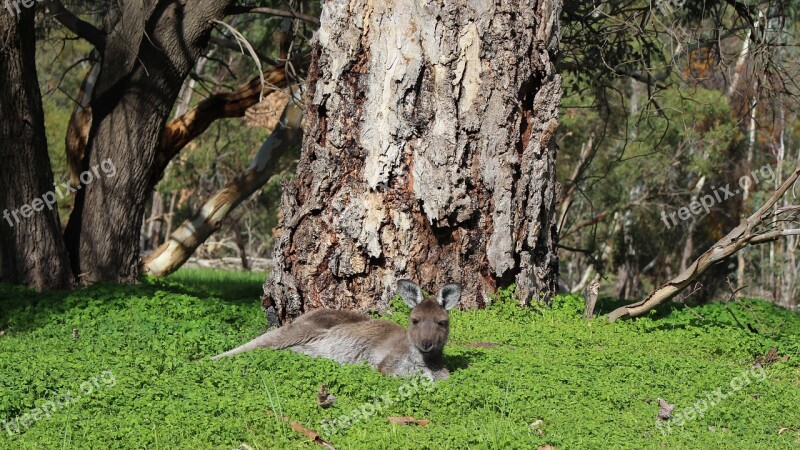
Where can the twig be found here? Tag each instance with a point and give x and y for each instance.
(307, 432)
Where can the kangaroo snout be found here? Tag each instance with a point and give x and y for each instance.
(429, 326)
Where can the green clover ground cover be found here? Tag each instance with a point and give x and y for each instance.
(141, 370)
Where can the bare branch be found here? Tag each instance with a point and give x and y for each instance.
(233, 10)
(78, 26)
(230, 45)
(740, 237)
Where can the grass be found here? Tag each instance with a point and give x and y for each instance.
(141, 360)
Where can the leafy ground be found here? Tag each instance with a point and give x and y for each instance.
(139, 376)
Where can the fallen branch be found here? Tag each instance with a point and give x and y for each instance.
(741, 236)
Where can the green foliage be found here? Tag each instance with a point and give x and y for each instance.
(593, 384)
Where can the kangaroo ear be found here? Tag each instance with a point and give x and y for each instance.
(409, 292)
(448, 296)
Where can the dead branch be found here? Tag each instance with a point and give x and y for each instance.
(191, 234)
(741, 236)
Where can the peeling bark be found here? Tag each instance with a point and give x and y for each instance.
(429, 154)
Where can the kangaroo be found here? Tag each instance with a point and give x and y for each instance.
(348, 337)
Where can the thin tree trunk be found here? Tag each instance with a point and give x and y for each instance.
(170, 216)
(240, 243)
(751, 143)
(588, 151)
(688, 247)
(32, 251)
(429, 154)
(151, 237)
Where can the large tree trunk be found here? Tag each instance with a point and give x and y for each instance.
(145, 59)
(429, 154)
(31, 249)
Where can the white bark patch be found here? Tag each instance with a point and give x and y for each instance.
(374, 218)
(396, 57)
(468, 69)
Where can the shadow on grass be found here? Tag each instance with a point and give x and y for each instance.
(462, 360)
(23, 309)
(238, 287)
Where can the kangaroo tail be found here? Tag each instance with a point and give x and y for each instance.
(267, 339)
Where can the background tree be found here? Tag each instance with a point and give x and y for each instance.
(135, 66)
(664, 96)
(31, 249)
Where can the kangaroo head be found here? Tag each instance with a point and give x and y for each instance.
(429, 324)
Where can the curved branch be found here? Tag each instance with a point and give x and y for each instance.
(185, 128)
(80, 27)
(233, 10)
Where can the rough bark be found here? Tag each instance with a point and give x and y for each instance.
(429, 154)
(144, 60)
(31, 249)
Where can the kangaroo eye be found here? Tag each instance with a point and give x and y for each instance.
(442, 323)
(415, 321)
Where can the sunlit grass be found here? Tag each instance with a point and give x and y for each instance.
(592, 384)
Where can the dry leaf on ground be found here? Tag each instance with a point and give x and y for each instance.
(408, 420)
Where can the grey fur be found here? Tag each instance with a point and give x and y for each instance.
(409, 292)
(448, 296)
(349, 337)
